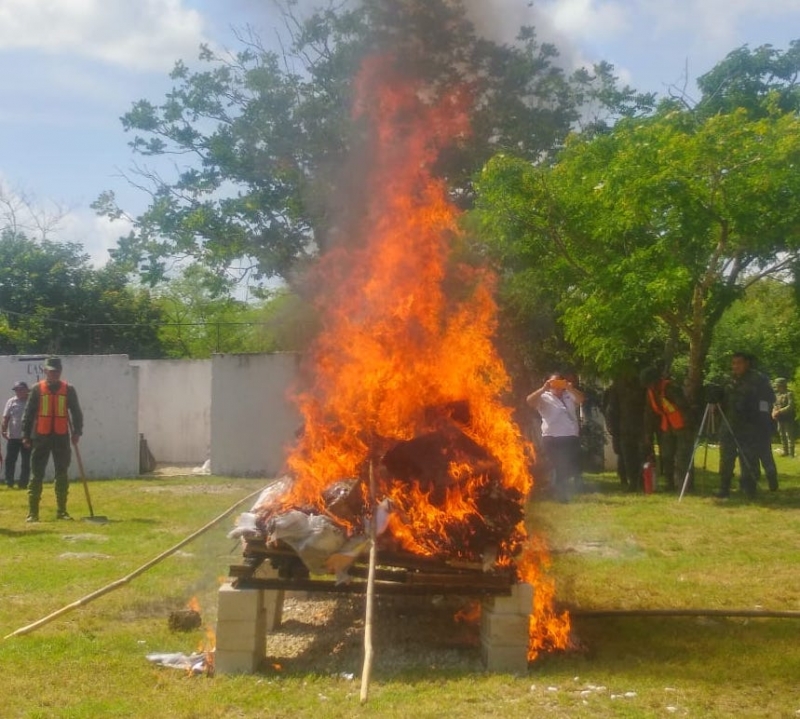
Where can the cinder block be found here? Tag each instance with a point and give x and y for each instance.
(233, 603)
(238, 636)
(505, 659)
(505, 629)
(226, 662)
(519, 602)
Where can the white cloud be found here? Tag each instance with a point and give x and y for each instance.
(97, 235)
(139, 34)
(36, 218)
(587, 20)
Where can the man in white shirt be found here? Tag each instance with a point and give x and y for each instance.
(12, 433)
(558, 402)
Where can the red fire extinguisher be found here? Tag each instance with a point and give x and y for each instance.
(648, 476)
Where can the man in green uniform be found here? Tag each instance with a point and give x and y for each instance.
(741, 427)
(52, 417)
(783, 414)
(667, 418)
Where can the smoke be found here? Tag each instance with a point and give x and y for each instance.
(497, 20)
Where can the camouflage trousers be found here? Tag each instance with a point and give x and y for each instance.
(59, 446)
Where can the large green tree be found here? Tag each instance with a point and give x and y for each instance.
(52, 300)
(766, 323)
(653, 229)
(266, 149)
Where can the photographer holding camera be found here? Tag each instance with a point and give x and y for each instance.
(558, 402)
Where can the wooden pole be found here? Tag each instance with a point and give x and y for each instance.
(120, 582)
(370, 608)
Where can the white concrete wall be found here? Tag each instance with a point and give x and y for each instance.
(175, 409)
(109, 397)
(252, 419)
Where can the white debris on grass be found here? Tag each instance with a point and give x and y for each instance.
(194, 663)
(205, 469)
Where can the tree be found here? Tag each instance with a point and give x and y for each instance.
(764, 322)
(51, 300)
(269, 149)
(753, 80)
(652, 230)
(199, 319)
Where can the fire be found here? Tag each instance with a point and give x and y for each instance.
(407, 328)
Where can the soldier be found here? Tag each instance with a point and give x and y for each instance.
(783, 414)
(52, 407)
(740, 435)
(623, 405)
(666, 417)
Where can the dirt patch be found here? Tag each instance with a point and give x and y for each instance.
(191, 489)
(324, 633)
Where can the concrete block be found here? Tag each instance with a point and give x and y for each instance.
(233, 603)
(227, 662)
(239, 636)
(505, 629)
(505, 659)
(519, 602)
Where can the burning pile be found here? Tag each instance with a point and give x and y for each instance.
(403, 418)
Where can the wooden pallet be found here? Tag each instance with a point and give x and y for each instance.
(397, 573)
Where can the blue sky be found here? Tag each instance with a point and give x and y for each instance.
(71, 68)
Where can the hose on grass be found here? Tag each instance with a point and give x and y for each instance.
(141, 570)
(691, 612)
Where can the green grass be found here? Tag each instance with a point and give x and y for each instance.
(610, 550)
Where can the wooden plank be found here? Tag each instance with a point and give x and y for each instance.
(360, 587)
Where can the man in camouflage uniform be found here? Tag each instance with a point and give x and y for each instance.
(783, 414)
(667, 418)
(741, 434)
(51, 420)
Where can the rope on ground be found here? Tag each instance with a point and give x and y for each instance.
(141, 570)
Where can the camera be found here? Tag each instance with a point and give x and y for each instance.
(712, 393)
(558, 384)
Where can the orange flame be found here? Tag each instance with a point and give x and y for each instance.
(408, 327)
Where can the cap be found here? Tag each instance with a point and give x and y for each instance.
(53, 363)
(20, 385)
(780, 380)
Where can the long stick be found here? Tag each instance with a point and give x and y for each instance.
(82, 471)
(373, 557)
(120, 582)
(83, 479)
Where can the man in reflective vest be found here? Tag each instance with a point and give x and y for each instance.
(52, 407)
(666, 418)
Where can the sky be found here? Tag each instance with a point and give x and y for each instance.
(69, 69)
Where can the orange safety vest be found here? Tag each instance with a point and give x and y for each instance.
(52, 417)
(671, 417)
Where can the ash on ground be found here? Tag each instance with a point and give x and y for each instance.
(323, 633)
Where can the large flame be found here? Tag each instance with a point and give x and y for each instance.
(395, 342)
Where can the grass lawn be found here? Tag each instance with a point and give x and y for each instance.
(610, 550)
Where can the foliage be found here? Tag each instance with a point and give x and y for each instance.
(200, 319)
(51, 300)
(754, 80)
(269, 152)
(647, 233)
(764, 322)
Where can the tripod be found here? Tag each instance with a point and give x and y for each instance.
(708, 417)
